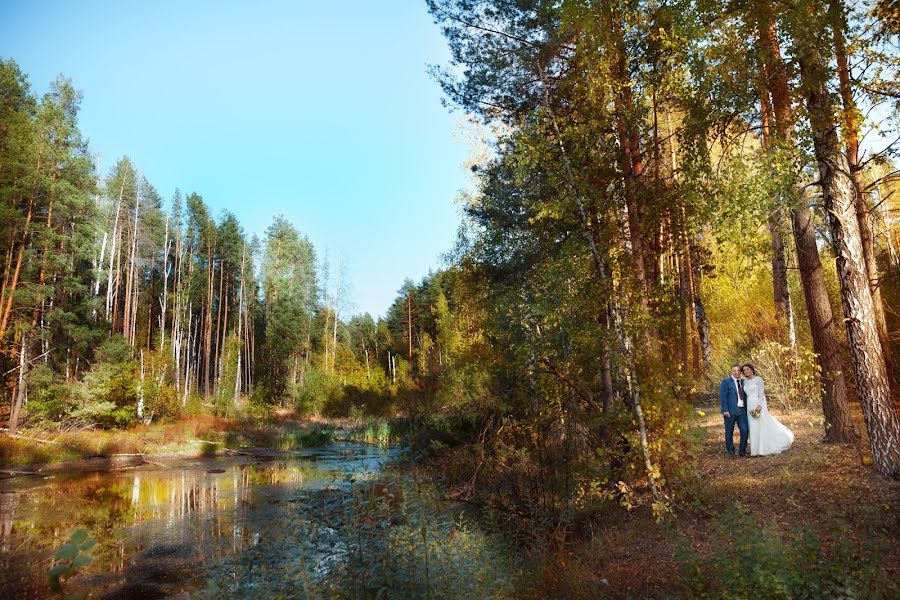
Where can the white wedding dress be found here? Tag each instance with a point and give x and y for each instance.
(767, 434)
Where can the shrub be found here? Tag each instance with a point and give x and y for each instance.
(108, 396)
(48, 401)
(792, 376)
(758, 562)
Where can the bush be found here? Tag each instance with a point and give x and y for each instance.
(49, 402)
(758, 562)
(108, 395)
(792, 376)
(318, 390)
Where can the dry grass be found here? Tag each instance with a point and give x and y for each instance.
(176, 437)
(811, 486)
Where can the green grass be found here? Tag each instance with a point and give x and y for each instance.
(379, 431)
(760, 561)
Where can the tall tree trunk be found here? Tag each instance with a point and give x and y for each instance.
(21, 389)
(684, 322)
(128, 324)
(112, 250)
(775, 82)
(219, 309)
(835, 404)
(606, 383)
(866, 352)
(11, 289)
(780, 288)
(703, 327)
(165, 294)
(207, 338)
(850, 123)
(240, 316)
(695, 323)
(409, 324)
(838, 422)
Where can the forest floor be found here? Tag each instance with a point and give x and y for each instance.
(196, 435)
(828, 489)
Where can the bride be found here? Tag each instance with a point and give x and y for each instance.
(767, 434)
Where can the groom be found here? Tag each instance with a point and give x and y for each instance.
(734, 408)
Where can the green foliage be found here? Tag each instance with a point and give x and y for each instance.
(71, 558)
(290, 292)
(757, 561)
(313, 437)
(161, 399)
(49, 400)
(316, 392)
(224, 400)
(109, 396)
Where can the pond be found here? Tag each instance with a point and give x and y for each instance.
(160, 528)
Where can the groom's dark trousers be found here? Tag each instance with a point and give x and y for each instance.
(728, 398)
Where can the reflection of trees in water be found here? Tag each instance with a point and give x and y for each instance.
(8, 504)
(130, 512)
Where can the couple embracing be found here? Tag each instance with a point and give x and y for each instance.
(741, 396)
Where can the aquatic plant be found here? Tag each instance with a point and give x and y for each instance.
(72, 557)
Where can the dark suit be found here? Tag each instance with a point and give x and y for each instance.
(728, 400)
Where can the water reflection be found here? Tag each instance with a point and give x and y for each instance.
(161, 521)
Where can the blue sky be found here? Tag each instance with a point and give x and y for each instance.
(319, 111)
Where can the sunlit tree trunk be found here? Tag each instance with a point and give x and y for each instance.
(165, 293)
(850, 123)
(11, 289)
(838, 192)
(838, 423)
(112, 250)
(20, 386)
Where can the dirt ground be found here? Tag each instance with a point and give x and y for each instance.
(812, 485)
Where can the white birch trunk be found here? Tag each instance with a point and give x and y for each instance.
(112, 250)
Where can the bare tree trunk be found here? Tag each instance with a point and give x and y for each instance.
(129, 323)
(683, 313)
(187, 358)
(11, 289)
(240, 316)
(606, 383)
(98, 266)
(219, 311)
(838, 422)
(115, 293)
(866, 352)
(337, 304)
(21, 387)
(112, 250)
(325, 352)
(850, 132)
(207, 338)
(409, 323)
(780, 289)
(140, 403)
(165, 293)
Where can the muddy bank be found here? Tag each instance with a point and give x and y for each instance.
(117, 462)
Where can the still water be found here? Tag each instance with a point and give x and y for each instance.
(160, 528)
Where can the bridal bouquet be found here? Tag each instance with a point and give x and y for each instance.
(756, 412)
